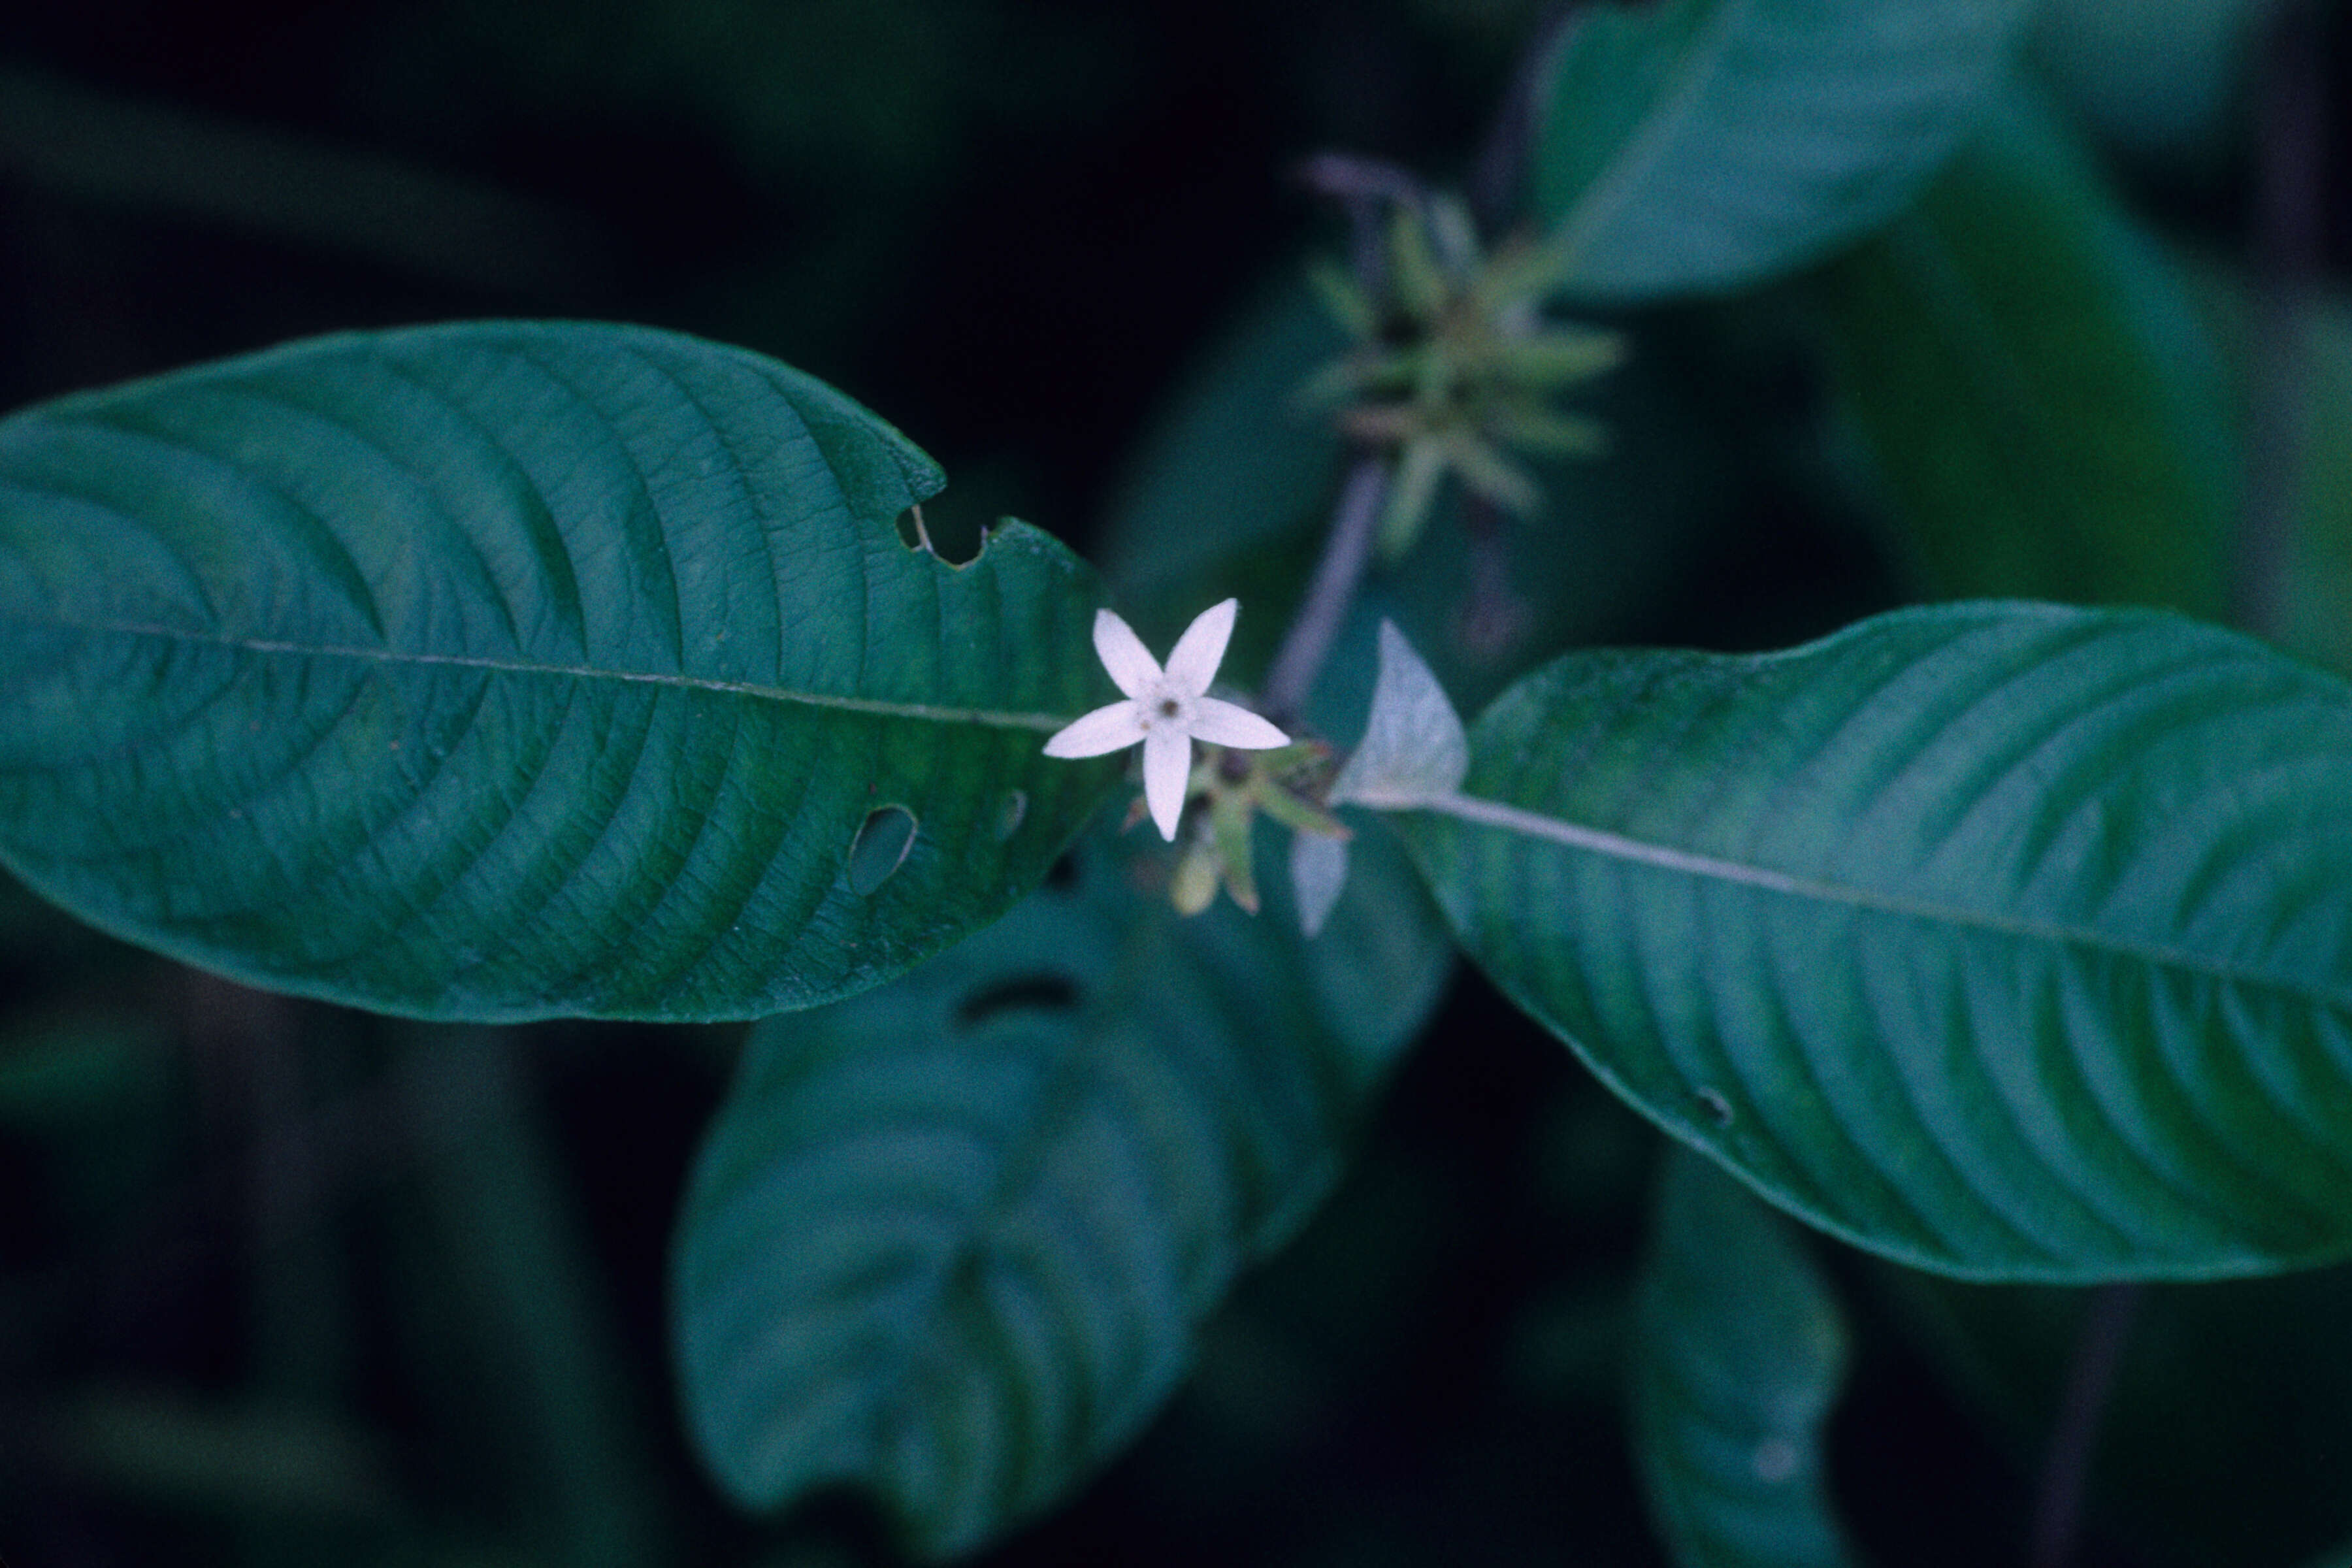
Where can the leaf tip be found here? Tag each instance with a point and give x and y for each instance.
(1414, 750)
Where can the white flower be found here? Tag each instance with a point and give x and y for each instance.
(1166, 709)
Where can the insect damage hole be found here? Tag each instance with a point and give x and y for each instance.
(1010, 811)
(880, 848)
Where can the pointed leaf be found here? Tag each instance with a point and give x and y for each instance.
(514, 669)
(1740, 1352)
(1413, 749)
(950, 1242)
(1701, 145)
(2010, 940)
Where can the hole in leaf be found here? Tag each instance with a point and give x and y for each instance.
(949, 536)
(880, 848)
(1009, 813)
(1024, 993)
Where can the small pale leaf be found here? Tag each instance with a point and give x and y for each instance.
(1318, 874)
(1413, 749)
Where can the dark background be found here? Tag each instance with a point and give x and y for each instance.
(255, 1307)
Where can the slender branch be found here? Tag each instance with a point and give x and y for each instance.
(1346, 553)
(2067, 1468)
(1365, 188)
(2290, 197)
(1498, 178)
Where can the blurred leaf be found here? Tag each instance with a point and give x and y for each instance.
(1740, 1352)
(2314, 616)
(2005, 940)
(2314, 613)
(1236, 463)
(2228, 1434)
(162, 1447)
(514, 1264)
(1703, 145)
(952, 1242)
(62, 1072)
(510, 670)
(2044, 411)
(2154, 78)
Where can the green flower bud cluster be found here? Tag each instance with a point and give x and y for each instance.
(1456, 368)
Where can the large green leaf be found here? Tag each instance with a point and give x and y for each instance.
(2008, 939)
(1700, 146)
(1739, 1354)
(950, 1242)
(2045, 412)
(509, 670)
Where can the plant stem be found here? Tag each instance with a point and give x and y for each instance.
(1346, 553)
(1498, 177)
(2066, 1468)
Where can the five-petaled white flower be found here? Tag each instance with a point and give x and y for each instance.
(1167, 710)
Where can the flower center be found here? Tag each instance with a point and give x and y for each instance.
(1170, 707)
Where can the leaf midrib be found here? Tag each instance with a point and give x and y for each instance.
(1599, 841)
(989, 718)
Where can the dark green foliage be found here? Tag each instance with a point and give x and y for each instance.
(952, 1241)
(1741, 1351)
(1699, 145)
(2009, 940)
(508, 671)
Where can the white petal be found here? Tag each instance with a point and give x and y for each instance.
(1166, 769)
(1201, 648)
(1105, 729)
(1224, 724)
(1123, 654)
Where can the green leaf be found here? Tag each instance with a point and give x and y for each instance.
(2156, 78)
(950, 1242)
(1703, 145)
(1740, 1352)
(2290, 372)
(2043, 409)
(2007, 939)
(510, 670)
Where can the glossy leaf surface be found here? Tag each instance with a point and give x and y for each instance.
(1740, 1352)
(2043, 411)
(1701, 145)
(2007, 939)
(950, 1242)
(507, 671)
